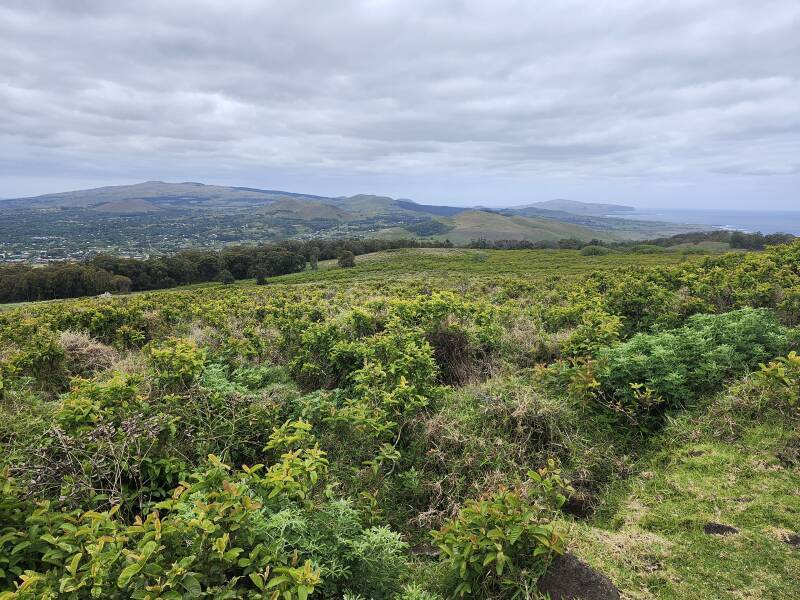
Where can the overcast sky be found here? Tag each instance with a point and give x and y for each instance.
(684, 103)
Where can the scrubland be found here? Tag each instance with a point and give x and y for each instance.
(428, 424)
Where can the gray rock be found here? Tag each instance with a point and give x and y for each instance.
(569, 578)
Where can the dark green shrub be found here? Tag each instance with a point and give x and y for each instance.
(647, 249)
(671, 369)
(225, 277)
(346, 259)
(593, 250)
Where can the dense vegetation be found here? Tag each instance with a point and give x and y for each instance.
(420, 426)
(734, 239)
(107, 273)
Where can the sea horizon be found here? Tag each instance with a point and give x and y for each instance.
(750, 221)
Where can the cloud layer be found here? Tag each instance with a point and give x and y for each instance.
(660, 100)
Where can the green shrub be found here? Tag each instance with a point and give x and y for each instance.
(175, 363)
(694, 251)
(221, 534)
(597, 330)
(502, 541)
(782, 378)
(647, 249)
(346, 259)
(90, 401)
(225, 277)
(593, 250)
(39, 355)
(415, 592)
(671, 369)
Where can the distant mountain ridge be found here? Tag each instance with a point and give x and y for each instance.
(190, 214)
(157, 192)
(165, 193)
(576, 207)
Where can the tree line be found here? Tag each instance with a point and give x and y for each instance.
(737, 239)
(108, 273)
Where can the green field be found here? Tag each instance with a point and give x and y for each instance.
(431, 423)
(445, 264)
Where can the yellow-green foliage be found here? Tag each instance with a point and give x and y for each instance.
(782, 377)
(418, 391)
(503, 540)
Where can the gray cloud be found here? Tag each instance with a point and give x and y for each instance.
(456, 101)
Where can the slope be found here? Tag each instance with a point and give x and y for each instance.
(187, 194)
(732, 463)
(580, 208)
(474, 224)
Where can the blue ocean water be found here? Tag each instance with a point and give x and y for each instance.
(742, 220)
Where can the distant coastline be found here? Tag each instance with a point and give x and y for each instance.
(750, 221)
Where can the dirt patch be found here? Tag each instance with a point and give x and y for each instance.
(569, 577)
(712, 528)
(578, 506)
(793, 539)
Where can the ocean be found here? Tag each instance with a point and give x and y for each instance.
(742, 220)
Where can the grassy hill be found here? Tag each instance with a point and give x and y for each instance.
(426, 423)
(475, 224)
(290, 208)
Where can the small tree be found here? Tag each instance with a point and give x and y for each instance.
(313, 258)
(261, 275)
(226, 277)
(347, 259)
(121, 284)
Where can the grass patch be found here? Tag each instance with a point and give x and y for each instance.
(649, 535)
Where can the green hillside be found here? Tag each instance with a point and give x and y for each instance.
(290, 208)
(474, 224)
(428, 424)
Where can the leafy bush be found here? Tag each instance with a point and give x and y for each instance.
(176, 364)
(596, 330)
(782, 378)
(652, 372)
(222, 534)
(594, 250)
(498, 543)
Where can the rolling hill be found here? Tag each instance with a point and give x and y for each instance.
(160, 193)
(157, 216)
(473, 224)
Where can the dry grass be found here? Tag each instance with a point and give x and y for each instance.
(86, 355)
